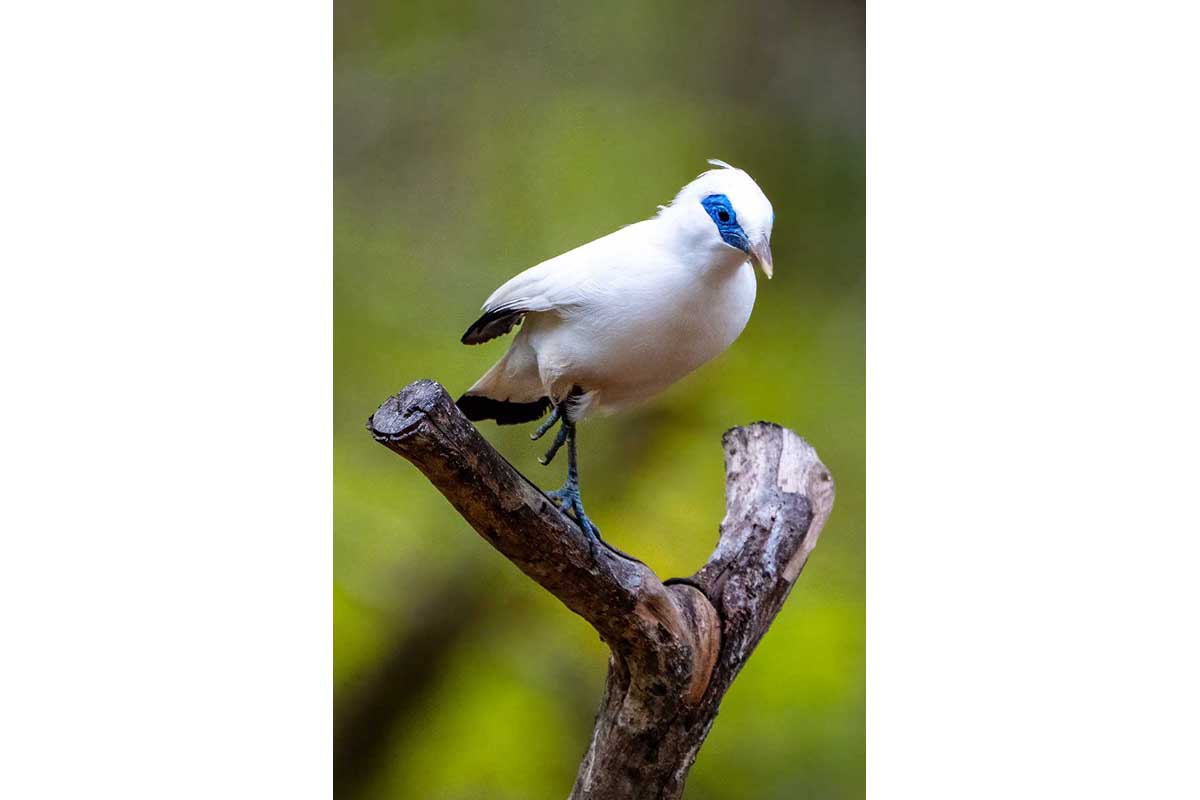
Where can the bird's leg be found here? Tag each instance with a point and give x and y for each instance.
(573, 481)
(568, 496)
(564, 496)
(570, 500)
(555, 413)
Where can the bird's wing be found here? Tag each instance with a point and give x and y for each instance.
(560, 282)
(494, 322)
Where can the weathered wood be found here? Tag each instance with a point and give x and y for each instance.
(675, 647)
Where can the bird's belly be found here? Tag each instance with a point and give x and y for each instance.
(630, 351)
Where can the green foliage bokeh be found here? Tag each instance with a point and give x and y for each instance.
(473, 140)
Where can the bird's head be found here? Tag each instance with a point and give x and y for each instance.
(729, 211)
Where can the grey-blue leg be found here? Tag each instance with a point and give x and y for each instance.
(568, 497)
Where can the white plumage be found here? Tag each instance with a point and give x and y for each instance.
(623, 317)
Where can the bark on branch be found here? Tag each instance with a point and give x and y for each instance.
(675, 647)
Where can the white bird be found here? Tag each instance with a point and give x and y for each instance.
(615, 321)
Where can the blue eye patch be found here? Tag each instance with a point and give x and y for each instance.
(723, 216)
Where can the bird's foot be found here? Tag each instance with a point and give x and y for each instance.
(571, 503)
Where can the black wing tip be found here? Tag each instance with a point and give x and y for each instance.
(476, 407)
(471, 336)
(492, 324)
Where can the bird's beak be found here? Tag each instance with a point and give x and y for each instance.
(760, 253)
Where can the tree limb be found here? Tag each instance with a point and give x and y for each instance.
(676, 647)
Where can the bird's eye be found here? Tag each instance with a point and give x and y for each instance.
(723, 215)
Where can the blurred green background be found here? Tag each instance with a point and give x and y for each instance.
(473, 140)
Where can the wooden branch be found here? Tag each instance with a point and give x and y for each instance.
(675, 647)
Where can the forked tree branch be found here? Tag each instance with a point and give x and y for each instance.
(676, 647)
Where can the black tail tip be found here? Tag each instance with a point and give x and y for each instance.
(477, 407)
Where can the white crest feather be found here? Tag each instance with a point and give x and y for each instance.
(716, 162)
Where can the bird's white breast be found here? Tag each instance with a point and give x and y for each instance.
(642, 331)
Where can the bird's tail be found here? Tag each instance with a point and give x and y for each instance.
(510, 392)
(476, 407)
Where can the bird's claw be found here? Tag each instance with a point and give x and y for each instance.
(570, 503)
(547, 425)
(559, 440)
(568, 500)
(557, 497)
